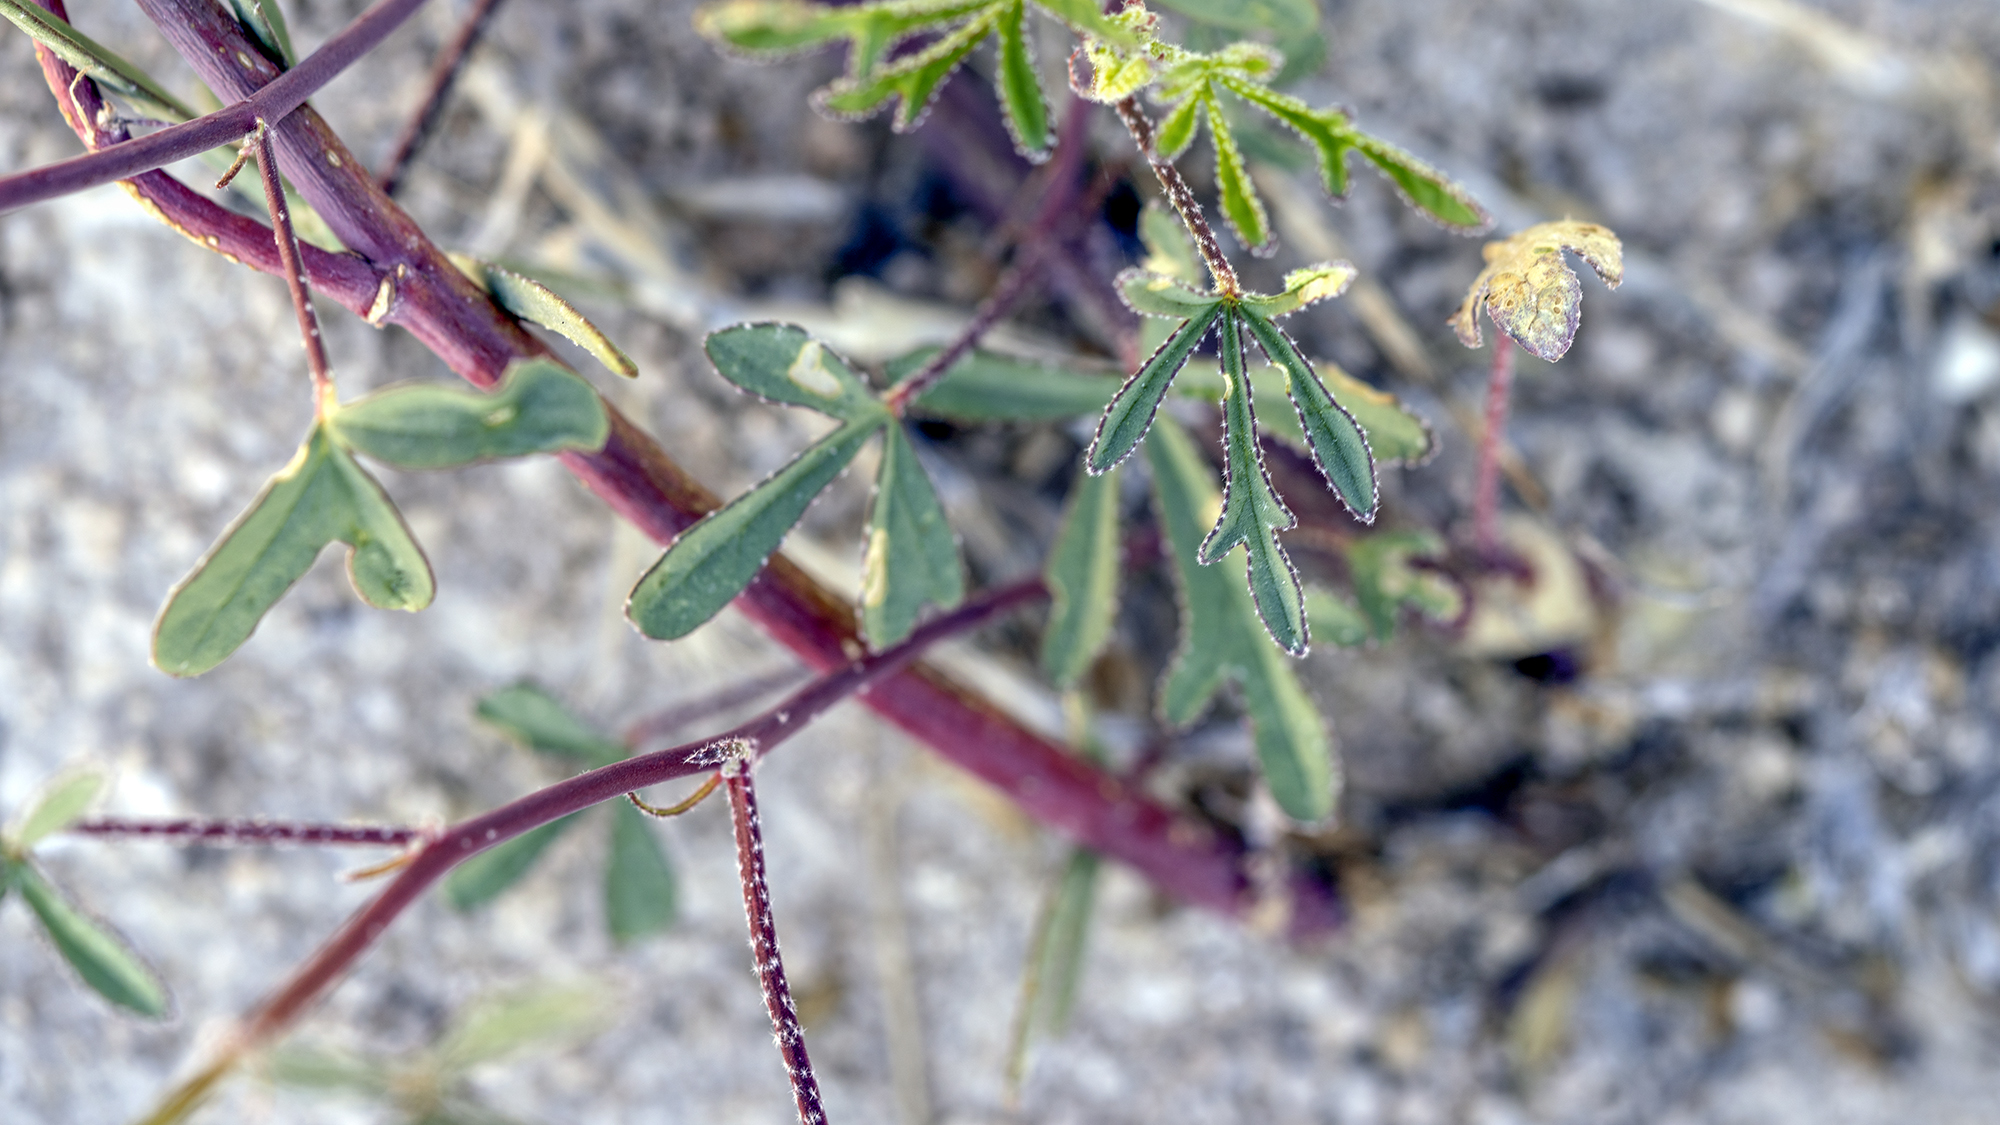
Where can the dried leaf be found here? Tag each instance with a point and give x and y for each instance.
(1531, 293)
(912, 557)
(536, 303)
(1082, 573)
(321, 497)
(539, 407)
(639, 891)
(97, 954)
(711, 562)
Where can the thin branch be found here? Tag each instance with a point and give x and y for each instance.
(288, 252)
(764, 939)
(1486, 491)
(690, 712)
(196, 830)
(444, 73)
(1070, 144)
(462, 841)
(231, 123)
(1181, 196)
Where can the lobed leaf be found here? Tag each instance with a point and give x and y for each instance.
(1396, 434)
(1251, 513)
(711, 562)
(540, 406)
(639, 890)
(986, 387)
(1531, 293)
(1025, 110)
(912, 557)
(1240, 204)
(782, 363)
(536, 303)
(103, 65)
(1082, 574)
(1339, 446)
(1385, 581)
(60, 804)
(98, 955)
(1150, 294)
(484, 877)
(321, 497)
(539, 721)
(913, 80)
(1307, 286)
(1131, 412)
(1223, 639)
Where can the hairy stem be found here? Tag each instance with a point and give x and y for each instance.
(764, 941)
(197, 830)
(1486, 489)
(288, 253)
(444, 73)
(462, 841)
(285, 93)
(1181, 196)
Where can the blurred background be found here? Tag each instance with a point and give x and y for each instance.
(1706, 833)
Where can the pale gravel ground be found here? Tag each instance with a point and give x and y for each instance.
(1831, 770)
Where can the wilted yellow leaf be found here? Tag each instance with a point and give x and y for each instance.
(1531, 293)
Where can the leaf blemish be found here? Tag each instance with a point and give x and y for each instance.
(809, 371)
(875, 568)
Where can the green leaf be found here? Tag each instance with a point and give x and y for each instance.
(1130, 414)
(638, 882)
(774, 28)
(1251, 513)
(1169, 250)
(314, 1068)
(1020, 90)
(1292, 16)
(266, 24)
(321, 497)
(1222, 639)
(1334, 135)
(59, 805)
(985, 387)
(1338, 445)
(536, 303)
(914, 79)
(1303, 287)
(539, 407)
(1082, 574)
(1177, 129)
(539, 721)
(912, 557)
(104, 961)
(1060, 944)
(94, 59)
(1396, 434)
(1087, 17)
(711, 562)
(1385, 581)
(1240, 204)
(495, 1028)
(1335, 619)
(482, 878)
(1151, 294)
(782, 363)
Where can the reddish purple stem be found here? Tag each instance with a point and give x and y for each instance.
(196, 830)
(764, 941)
